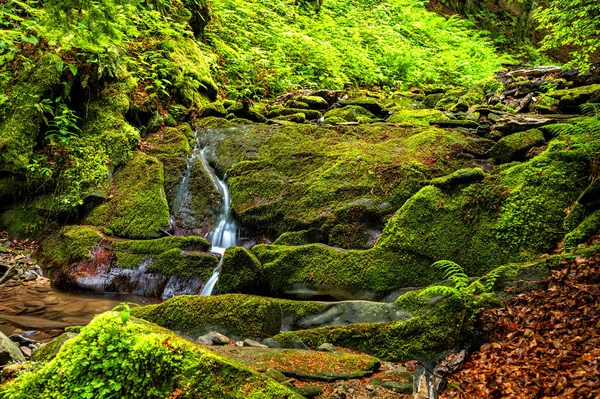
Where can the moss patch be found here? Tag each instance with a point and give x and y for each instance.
(71, 244)
(514, 147)
(240, 272)
(138, 207)
(239, 315)
(139, 360)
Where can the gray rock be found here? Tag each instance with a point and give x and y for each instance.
(276, 375)
(9, 351)
(326, 347)
(396, 386)
(26, 350)
(272, 343)
(253, 344)
(212, 338)
(21, 340)
(220, 339)
(309, 391)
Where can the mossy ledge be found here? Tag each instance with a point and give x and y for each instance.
(137, 359)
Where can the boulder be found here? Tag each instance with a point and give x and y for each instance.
(515, 146)
(9, 351)
(326, 347)
(254, 344)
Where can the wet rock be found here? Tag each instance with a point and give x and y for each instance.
(254, 344)
(326, 347)
(21, 340)
(9, 351)
(309, 391)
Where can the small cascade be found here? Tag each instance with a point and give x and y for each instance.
(225, 233)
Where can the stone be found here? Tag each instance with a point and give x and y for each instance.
(254, 344)
(220, 339)
(21, 340)
(272, 343)
(212, 338)
(25, 350)
(9, 351)
(275, 374)
(309, 391)
(396, 386)
(49, 351)
(297, 343)
(326, 347)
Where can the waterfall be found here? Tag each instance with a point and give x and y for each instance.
(225, 233)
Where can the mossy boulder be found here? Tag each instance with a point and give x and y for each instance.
(171, 146)
(212, 109)
(570, 99)
(233, 315)
(240, 272)
(587, 228)
(461, 176)
(138, 207)
(136, 359)
(296, 118)
(369, 104)
(351, 113)
(515, 146)
(415, 117)
(49, 350)
(71, 244)
(314, 102)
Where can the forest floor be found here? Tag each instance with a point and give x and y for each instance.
(545, 343)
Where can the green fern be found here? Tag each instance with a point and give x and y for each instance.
(560, 129)
(590, 109)
(440, 290)
(452, 271)
(492, 277)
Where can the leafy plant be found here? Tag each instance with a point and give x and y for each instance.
(124, 309)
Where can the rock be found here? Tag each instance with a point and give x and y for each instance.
(314, 102)
(367, 103)
(271, 343)
(276, 375)
(49, 350)
(331, 96)
(515, 123)
(516, 145)
(534, 71)
(309, 391)
(300, 117)
(9, 351)
(455, 123)
(21, 340)
(254, 344)
(25, 350)
(220, 339)
(297, 343)
(396, 386)
(326, 347)
(213, 338)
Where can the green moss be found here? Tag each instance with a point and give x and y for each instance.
(461, 176)
(313, 102)
(212, 109)
(296, 104)
(71, 244)
(350, 113)
(570, 99)
(431, 100)
(417, 117)
(177, 263)
(23, 222)
(516, 145)
(574, 217)
(48, 351)
(171, 146)
(240, 272)
(301, 237)
(353, 236)
(20, 120)
(587, 228)
(238, 315)
(139, 360)
(417, 338)
(296, 118)
(139, 206)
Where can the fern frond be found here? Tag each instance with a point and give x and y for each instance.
(492, 277)
(560, 129)
(590, 109)
(439, 290)
(452, 271)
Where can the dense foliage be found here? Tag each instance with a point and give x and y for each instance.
(265, 47)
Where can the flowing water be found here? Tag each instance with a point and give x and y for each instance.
(225, 232)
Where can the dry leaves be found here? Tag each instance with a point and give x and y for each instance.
(544, 344)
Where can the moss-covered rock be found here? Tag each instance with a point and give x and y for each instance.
(70, 245)
(587, 228)
(139, 360)
(570, 99)
(48, 351)
(369, 104)
(416, 117)
(240, 272)
(350, 113)
(515, 146)
(296, 118)
(212, 109)
(234, 315)
(461, 176)
(171, 146)
(314, 102)
(138, 208)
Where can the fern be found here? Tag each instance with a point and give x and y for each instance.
(492, 277)
(439, 290)
(560, 129)
(590, 109)
(452, 271)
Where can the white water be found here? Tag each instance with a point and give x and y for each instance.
(225, 233)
